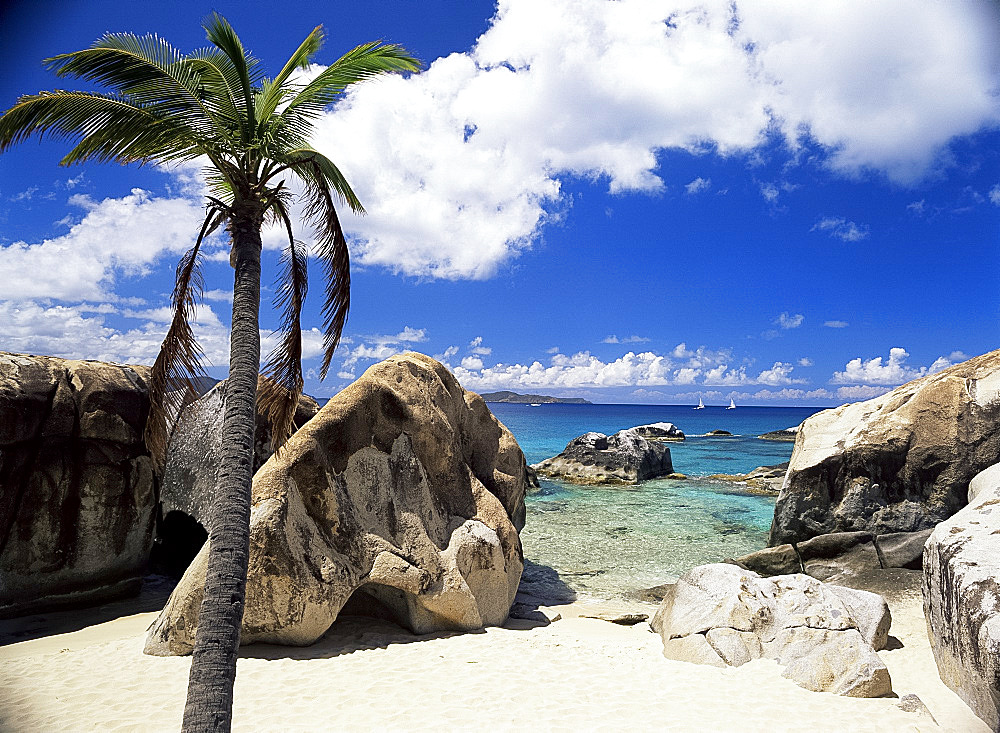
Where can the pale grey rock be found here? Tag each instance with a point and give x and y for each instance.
(899, 463)
(824, 636)
(838, 554)
(595, 458)
(961, 590)
(77, 485)
(403, 493)
(659, 431)
(194, 451)
(903, 549)
(985, 479)
(780, 560)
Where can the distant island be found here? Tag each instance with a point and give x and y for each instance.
(528, 399)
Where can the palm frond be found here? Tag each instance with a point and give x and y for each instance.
(148, 71)
(221, 33)
(179, 361)
(278, 394)
(275, 90)
(111, 127)
(366, 61)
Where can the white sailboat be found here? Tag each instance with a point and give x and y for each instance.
(701, 404)
(732, 404)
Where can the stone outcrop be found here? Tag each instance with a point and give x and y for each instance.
(402, 497)
(659, 431)
(824, 636)
(763, 479)
(898, 463)
(840, 555)
(786, 435)
(77, 487)
(961, 591)
(595, 458)
(195, 449)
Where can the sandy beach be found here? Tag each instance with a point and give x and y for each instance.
(574, 674)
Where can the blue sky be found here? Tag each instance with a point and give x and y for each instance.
(628, 201)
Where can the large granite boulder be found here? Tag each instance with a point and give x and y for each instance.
(195, 449)
(402, 497)
(595, 458)
(962, 598)
(898, 463)
(77, 487)
(825, 636)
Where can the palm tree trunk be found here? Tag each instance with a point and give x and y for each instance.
(217, 640)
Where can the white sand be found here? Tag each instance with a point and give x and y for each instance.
(575, 674)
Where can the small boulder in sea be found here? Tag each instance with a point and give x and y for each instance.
(786, 435)
(595, 458)
(901, 462)
(659, 431)
(402, 497)
(717, 434)
(825, 636)
(763, 479)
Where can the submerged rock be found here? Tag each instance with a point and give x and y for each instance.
(402, 497)
(77, 487)
(595, 458)
(898, 463)
(961, 589)
(825, 636)
(765, 479)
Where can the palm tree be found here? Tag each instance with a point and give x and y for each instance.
(215, 104)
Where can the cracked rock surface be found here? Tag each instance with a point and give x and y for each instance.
(77, 488)
(595, 458)
(825, 636)
(402, 497)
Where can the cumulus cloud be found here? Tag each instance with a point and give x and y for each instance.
(861, 392)
(836, 324)
(805, 361)
(460, 166)
(840, 228)
(893, 371)
(375, 347)
(787, 321)
(476, 347)
(117, 237)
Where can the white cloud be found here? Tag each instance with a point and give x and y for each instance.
(917, 207)
(893, 371)
(787, 321)
(777, 375)
(840, 228)
(836, 324)
(995, 195)
(698, 185)
(472, 363)
(117, 237)
(805, 361)
(460, 166)
(476, 347)
(624, 340)
(552, 350)
(769, 191)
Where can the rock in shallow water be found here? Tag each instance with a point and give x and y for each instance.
(403, 495)
(825, 636)
(595, 458)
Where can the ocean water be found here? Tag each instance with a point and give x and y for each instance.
(609, 542)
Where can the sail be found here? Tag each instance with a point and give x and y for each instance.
(732, 404)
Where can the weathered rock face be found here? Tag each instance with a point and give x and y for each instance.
(898, 463)
(403, 495)
(596, 458)
(77, 489)
(785, 435)
(659, 431)
(962, 599)
(825, 636)
(195, 450)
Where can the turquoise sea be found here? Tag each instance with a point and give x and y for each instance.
(608, 542)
